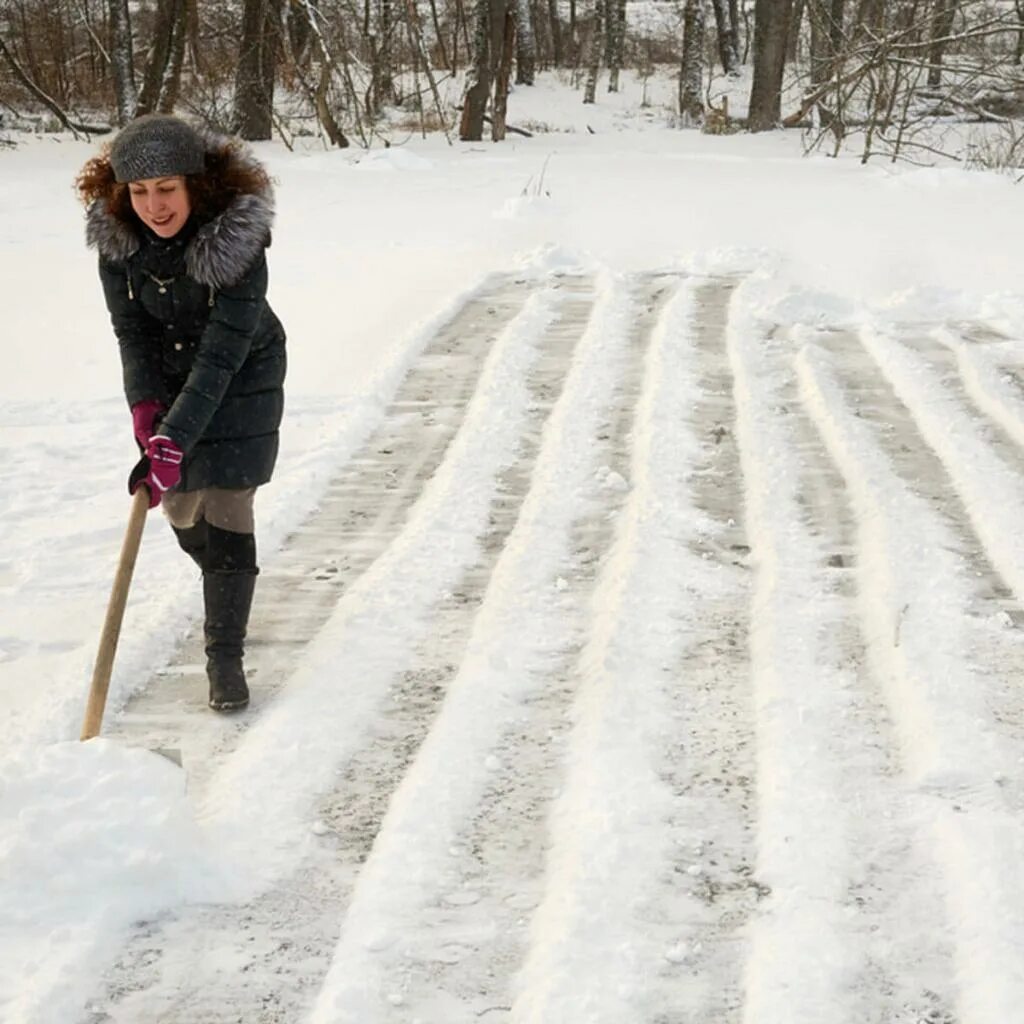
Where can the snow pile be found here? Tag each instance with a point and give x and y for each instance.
(93, 837)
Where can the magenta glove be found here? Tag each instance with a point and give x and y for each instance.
(159, 470)
(144, 416)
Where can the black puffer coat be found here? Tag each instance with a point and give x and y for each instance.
(195, 331)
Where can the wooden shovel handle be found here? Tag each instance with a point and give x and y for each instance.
(115, 614)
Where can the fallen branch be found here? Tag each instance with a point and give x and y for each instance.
(74, 127)
(508, 127)
(511, 128)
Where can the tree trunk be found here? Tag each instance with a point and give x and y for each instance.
(26, 80)
(478, 81)
(942, 25)
(1018, 52)
(300, 34)
(438, 34)
(837, 13)
(526, 44)
(192, 33)
(821, 42)
(463, 21)
(616, 41)
(323, 108)
(503, 77)
(793, 43)
(171, 84)
(270, 51)
(771, 30)
(168, 14)
(254, 79)
(558, 51)
(386, 80)
(734, 29)
(728, 51)
(122, 61)
(422, 60)
(869, 18)
(595, 45)
(691, 75)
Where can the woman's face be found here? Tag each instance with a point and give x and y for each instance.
(162, 204)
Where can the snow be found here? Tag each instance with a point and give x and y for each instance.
(675, 670)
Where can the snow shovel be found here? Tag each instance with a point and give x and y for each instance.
(112, 624)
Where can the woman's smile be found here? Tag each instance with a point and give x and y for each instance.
(162, 204)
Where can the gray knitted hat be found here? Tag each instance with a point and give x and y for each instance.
(156, 146)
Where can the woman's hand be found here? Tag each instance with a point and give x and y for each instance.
(159, 469)
(144, 417)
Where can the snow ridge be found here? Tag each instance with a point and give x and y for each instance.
(803, 950)
(914, 597)
(331, 698)
(992, 492)
(409, 863)
(599, 916)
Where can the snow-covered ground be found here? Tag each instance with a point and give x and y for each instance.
(639, 635)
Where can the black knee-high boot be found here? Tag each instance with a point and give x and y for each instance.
(229, 579)
(193, 541)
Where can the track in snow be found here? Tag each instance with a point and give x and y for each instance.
(807, 847)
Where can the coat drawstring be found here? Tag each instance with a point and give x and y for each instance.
(131, 293)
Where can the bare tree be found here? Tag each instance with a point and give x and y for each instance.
(257, 62)
(691, 74)
(1018, 51)
(163, 70)
(795, 29)
(385, 91)
(555, 21)
(526, 44)
(493, 49)
(478, 82)
(942, 25)
(728, 39)
(122, 61)
(771, 28)
(26, 80)
(422, 61)
(504, 75)
(616, 41)
(594, 48)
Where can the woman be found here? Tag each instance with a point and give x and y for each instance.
(181, 221)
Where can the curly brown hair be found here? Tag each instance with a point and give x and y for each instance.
(228, 174)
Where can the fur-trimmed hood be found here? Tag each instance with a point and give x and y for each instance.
(220, 251)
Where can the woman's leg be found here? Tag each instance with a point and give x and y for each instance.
(229, 580)
(185, 514)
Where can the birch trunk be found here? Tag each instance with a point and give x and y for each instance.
(557, 49)
(691, 75)
(595, 44)
(478, 81)
(616, 41)
(526, 44)
(386, 79)
(171, 84)
(942, 25)
(728, 51)
(122, 61)
(254, 79)
(168, 14)
(503, 76)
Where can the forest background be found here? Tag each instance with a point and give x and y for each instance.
(885, 76)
